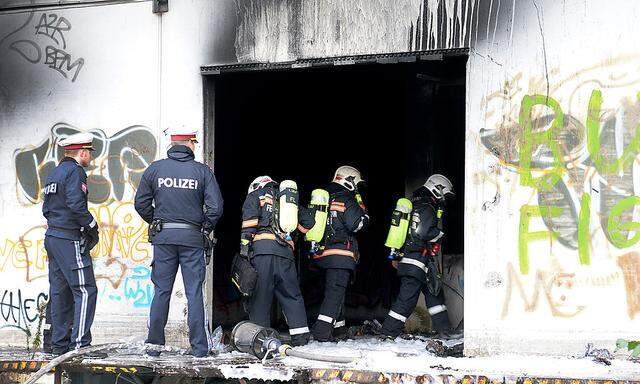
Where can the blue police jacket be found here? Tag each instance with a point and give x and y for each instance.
(179, 190)
(65, 201)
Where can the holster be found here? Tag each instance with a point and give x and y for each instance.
(209, 245)
(244, 275)
(154, 228)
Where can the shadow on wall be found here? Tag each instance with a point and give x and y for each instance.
(272, 30)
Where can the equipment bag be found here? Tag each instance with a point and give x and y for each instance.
(244, 275)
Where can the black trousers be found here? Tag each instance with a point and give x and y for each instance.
(332, 309)
(277, 277)
(405, 303)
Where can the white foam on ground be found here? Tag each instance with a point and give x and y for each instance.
(410, 357)
(255, 371)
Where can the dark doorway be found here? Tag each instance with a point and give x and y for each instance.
(397, 123)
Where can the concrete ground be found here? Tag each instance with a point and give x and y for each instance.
(375, 360)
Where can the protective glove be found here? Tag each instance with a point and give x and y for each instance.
(90, 237)
(244, 248)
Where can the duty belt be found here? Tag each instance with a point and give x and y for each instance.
(75, 232)
(180, 226)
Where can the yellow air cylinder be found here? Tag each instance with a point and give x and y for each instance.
(320, 204)
(399, 224)
(288, 206)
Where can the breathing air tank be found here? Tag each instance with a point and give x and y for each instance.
(288, 207)
(399, 226)
(320, 204)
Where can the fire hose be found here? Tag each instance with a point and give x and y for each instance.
(289, 351)
(264, 343)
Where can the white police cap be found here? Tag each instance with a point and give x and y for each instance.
(183, 134)
(82, 140)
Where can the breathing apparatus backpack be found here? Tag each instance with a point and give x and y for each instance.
(399, 227)
(285, 210)
(320, 204)
(405, 222)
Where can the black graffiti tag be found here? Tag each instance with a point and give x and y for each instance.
(51, 25)
(18, 311)
(55, 54)
(60, 60)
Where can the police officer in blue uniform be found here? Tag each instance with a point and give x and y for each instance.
(271, 253)
(338, 255)
(180, 199)
(422, 245)
(71, 234)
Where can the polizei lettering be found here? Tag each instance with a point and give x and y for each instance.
(50, 189)
(172, 182)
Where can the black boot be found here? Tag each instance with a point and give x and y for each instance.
(300, 340)
(322, 331)
(340, 333)
(391, 328)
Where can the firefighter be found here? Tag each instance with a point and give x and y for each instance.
(338, 251)
(71, 234)
(180, 199)
(417, 267)
(270, 251)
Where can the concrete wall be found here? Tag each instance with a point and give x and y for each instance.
(124, 74)
(552, 173)
(552, 180)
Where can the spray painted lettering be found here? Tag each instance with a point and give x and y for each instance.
(120, 257)
(19, 310)
(119, 161)
(52, 29)
(138, 287)
(575, 147)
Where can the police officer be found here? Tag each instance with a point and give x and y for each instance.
(180, 199)
(338, 254)
(271, 253)
(423, 241)
(71, 234)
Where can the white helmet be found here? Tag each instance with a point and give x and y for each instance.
(348, 177)
(439, 186)
(259, 182)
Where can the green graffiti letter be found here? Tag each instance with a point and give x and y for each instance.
(583, 229)
(615, 226)
(593, 140)
(532, 140)
(527, 212)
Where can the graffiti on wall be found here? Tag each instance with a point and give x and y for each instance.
(122, 256)
(576, 152)
(19, 310)
(42, 40)
(119, 162)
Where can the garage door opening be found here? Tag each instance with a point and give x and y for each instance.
(397, 123)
